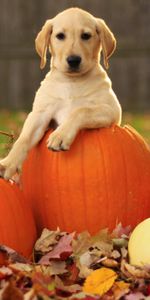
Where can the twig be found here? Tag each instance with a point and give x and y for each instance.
(7, 134)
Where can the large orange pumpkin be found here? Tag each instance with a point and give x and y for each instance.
(102, 180)
(17, 227)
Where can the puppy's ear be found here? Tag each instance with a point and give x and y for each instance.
(42, 42)
(107, 39)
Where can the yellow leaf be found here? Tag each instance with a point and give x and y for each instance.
(99, 281)
(120, 288)
(122, 285)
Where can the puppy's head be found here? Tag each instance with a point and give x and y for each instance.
(75, 39)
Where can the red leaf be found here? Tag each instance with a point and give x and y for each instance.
(148, 290)
(3, 258)
(74, 272)
(120, 231)
(61, 251)
(43, 284)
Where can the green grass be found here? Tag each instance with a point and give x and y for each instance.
(141, 122)
(11, 122)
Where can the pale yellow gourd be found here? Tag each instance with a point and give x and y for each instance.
(139, 244)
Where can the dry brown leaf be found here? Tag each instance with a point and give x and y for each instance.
(66, 288)
(84, 271)
(57, 268)
(30, 295)
(81, 244)
(22, 267)
(47, 240)
(86, 259)
(115, 254)
(124, 252)
(5, 272)
(109, 263)
(99, 281)
(103, 242)
(132, 271)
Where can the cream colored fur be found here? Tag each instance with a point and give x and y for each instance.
(76, 99)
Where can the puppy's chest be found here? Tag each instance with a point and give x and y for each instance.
(69, 96)
(69, 99)
(64, 107)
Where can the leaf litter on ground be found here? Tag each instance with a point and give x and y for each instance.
(74, 266)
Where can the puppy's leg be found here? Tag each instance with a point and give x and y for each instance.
(85, 117)
(33, 130)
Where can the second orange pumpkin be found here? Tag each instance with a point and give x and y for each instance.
(17, 226)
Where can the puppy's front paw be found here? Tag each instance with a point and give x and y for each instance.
(59, 140)
(7, 168)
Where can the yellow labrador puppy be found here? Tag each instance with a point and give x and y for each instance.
(76, 93)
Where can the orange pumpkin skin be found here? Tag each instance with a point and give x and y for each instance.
(17, 227)
(103, 179)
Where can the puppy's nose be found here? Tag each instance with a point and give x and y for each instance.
(73, 61)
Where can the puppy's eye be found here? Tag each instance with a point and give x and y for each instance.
(60, 36)
(85, 36)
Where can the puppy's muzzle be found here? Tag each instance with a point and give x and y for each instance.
(74, 62)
